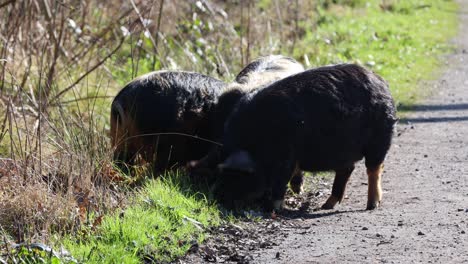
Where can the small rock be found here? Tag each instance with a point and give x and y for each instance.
(461, 210)
(400, 223)
(365, 228)
(378, 235)
(462, 232)
(425, 155)
(392, 236)
(420, 233)
(277, 255)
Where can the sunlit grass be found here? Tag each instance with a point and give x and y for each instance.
(402, 41)
(165, 218)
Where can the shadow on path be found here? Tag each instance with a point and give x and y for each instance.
(426, 108)
(295, 214)
(437, 107)
(434, 119)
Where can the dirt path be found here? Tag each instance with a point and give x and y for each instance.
(424, 214)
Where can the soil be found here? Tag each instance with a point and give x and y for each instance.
(424, 212)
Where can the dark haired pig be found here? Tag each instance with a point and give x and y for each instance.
(258, 74)
(160, 114)
(322, 119)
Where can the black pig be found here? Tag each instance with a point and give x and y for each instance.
(258, 74)
(165, 117)
(322, 119)
(148, 114)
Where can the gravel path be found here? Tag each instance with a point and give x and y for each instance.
(424, 211)
(424, 214)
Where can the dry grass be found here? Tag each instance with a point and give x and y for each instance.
(61, 62)
(58, 179)
(30, 212)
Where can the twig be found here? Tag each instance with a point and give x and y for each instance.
(144, 25)
(296, 26)
(193, 221)
(7, 3)
(249, 3)
(240, 31)
(170, 134)
(87, 73)
(57, 47)
(3, 127)
(51, 21)
(158, 26)
(82, 99)
(100, 36)
(280, 19)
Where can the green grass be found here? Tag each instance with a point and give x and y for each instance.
(164, 220)
(402, 42)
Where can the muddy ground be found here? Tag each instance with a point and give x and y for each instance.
(424, 213)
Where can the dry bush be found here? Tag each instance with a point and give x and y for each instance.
(31, 212)
(58, 179)
(62, 61)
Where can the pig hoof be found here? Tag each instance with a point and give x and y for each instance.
(330, 203)
(277, 204)
(372, 205)
(327, 206)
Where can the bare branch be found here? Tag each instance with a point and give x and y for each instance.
(153, 42)
(158, 27)
(7, 3)
(87, 73)
(82, 99)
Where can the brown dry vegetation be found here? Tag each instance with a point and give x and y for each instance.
(62, 61)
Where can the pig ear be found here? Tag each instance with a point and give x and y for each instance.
(240, 161)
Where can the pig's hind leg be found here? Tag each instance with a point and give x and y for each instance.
(375, 155)
(339, 186)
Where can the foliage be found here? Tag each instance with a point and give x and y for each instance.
(62, 62)
(400, 41)
(166, 218)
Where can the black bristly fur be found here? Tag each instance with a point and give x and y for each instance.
(165, 102)
(322, 119)
(255, 76)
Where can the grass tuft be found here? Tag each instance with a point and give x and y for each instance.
(163, 220)
(402, 41)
